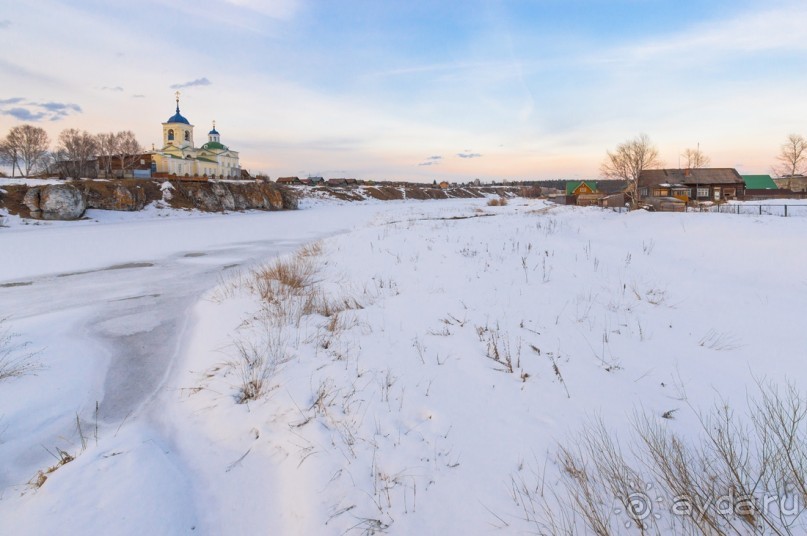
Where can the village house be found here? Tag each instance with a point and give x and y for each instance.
(796, 183)
(288, 180)
(759, 182)
(701, 184)
(582, 193)
(580, 187)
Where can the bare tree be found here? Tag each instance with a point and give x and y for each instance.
(695, 158)
(10, 156)
(107, 150)
(76, 151)
(629, 160)
(129, 149)
(27, 144)
(793, 156)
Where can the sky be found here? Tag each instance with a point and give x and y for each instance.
(418, 90)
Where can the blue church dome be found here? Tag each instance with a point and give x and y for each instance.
(177, 118)
(214, 132)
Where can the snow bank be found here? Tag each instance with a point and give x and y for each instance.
(482, 338)
(459, 345)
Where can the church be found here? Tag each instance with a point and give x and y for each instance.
(180, 157)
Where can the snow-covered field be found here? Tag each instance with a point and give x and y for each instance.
(411, 372)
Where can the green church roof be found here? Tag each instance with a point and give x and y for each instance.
(214, 145)
(759, 182)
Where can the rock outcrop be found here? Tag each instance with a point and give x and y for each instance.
(69, 200)
(228, 196)
(55, 202)
(115, 195)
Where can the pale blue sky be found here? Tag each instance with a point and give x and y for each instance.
(414, 89)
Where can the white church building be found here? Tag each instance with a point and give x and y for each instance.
(179, 156)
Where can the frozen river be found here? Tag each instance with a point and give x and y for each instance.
(105, 304)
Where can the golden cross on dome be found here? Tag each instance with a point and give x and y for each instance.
(177, 94)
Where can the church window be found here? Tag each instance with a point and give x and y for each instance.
(170, 134)
(187, 136)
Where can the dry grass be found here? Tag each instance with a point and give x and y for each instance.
(62, 457)
(739, 475)
(257, 363)
(294, 274)
(500, 202)
(290, 291)
(499, 349)
(15, 358)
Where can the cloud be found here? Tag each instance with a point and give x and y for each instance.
(24, 114)
(5, 23)
(276, 9)
(37, 111)
(138, 96)
(198, 82)
(431, 161)
(58, 110)
(469, 155)
(59, 107)
(107, 88)
(764, 30)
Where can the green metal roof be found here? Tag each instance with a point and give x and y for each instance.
(759, 182)
(214, 145)
(571, 186)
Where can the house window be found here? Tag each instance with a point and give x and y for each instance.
(643, 191)
(703, 191)
(660, 192)
(187, 136)
(729, 192)
(170, 134)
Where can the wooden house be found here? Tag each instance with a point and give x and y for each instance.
(795, 183)
(580, 187)
(616, 200)
(288, 180)
(703, 184)
(582, 193)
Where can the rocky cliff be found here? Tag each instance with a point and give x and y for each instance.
(69, 200)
